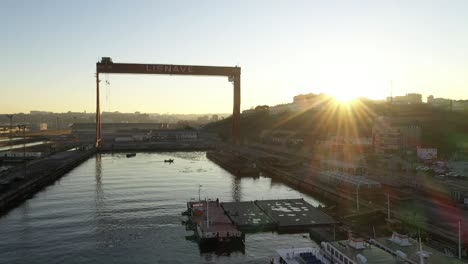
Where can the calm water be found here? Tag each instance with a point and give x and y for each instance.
(113, 209)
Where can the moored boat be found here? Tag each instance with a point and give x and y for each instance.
(414, 251)
(356, 251)
(211, 224)
(305, 255)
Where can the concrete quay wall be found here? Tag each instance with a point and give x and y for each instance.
(236, 165)
(22, 184)
(159, 146)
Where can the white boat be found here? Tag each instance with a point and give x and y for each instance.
(413, 251)
(305, 255)
(356, 251)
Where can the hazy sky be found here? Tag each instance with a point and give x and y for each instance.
(48, 51)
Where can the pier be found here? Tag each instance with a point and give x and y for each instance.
(222, 220)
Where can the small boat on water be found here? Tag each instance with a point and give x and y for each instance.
(169, 160)
(129, 155)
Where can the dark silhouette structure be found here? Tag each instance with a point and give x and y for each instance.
(233, 73)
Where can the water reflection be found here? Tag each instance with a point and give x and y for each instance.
(275, 182)
(236, 188)
(208, 250)
(98, 176)
(25, 222)
(220, 249)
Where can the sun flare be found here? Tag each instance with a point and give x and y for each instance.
(344, 97)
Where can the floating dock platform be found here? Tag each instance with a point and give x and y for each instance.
(248, 216)
(219, 222)
(294, 215)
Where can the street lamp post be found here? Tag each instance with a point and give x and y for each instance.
(23, 127)
(388, 206)
(199, 188)
(11, 126)
(357, 197)
(459, 239)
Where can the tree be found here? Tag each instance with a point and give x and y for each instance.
(262, 108)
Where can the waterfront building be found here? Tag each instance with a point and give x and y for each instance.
(203, 119)
(390, 136)
(283, 108)
(178, 135)
(90, 128)
(386, 138)
(460, 105)
(442, 103)
(410, 98)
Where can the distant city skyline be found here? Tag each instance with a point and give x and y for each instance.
(342, 48)
(424, 100)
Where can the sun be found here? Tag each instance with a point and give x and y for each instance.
(344, 97)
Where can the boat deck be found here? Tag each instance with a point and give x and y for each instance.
(371, 253)
(218, 225)
(411, 251)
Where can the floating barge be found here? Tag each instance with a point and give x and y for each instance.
(216, 222)
(247, 216)
(211, 223)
